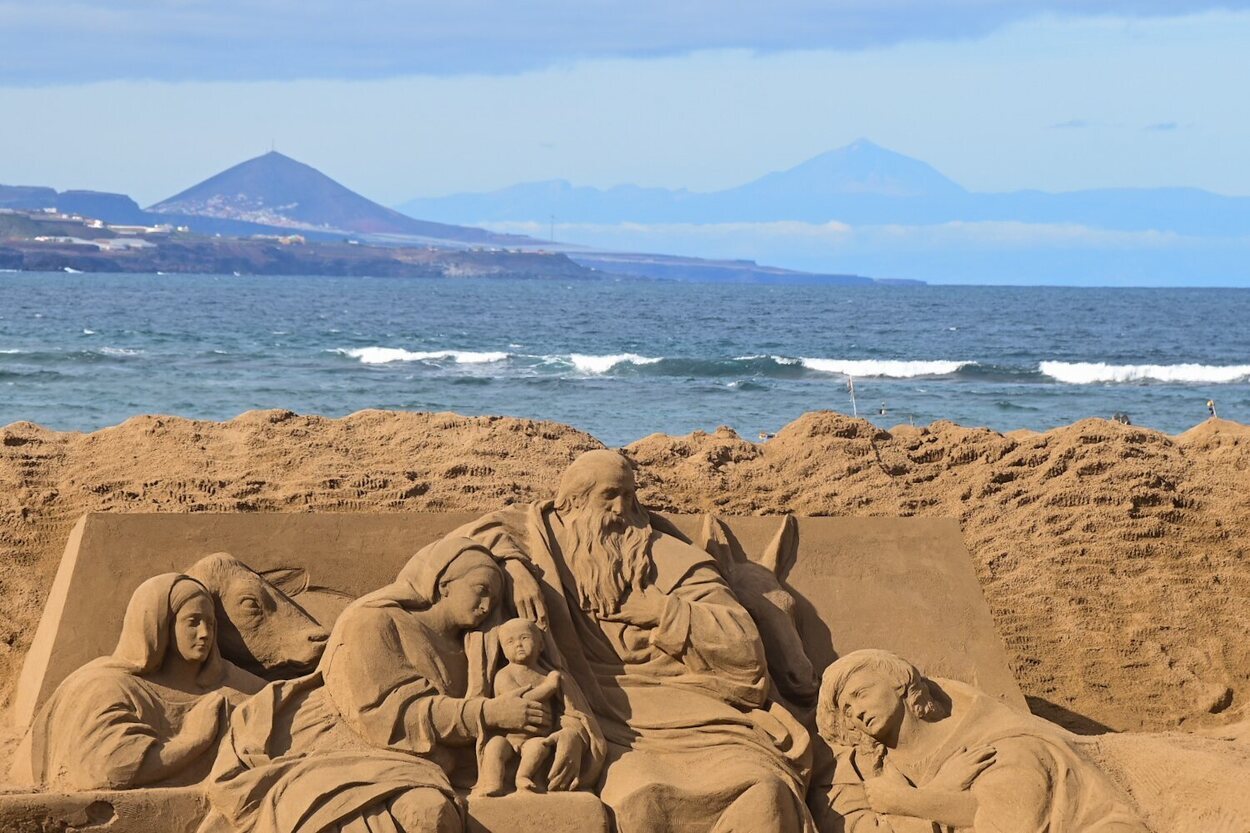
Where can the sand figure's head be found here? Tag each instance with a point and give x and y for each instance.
(469, 588)
(609, 531)
(521, 641)
(169, 620)
(866, 695)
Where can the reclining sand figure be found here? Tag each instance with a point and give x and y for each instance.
(370, 741)
(149, 713)
(916, 753)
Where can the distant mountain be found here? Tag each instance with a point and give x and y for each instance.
(276, 190)
(860, 184)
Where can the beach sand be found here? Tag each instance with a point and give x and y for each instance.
(1116, 559)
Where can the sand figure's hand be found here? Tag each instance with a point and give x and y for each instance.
(200, 726)
(641, 608)
(527, 594)
(962, 768)
(888, 795)
(514, 713)
(567, 761)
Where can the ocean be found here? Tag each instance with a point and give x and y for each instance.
(620, 359)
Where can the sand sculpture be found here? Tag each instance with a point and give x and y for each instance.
(647, 679)
(148, 714)
(521, 642)
(913, 753)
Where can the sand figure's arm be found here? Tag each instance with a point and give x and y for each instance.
(199, 731)
(546, 689)
(380, 692)
(945, 799)
(705, 627)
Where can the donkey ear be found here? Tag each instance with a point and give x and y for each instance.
(714, 540)
(783, 550)
(290, 580)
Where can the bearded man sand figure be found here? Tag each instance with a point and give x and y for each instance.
(671, 663)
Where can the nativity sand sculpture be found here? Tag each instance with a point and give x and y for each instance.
(578, 655)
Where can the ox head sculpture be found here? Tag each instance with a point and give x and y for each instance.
(759, 587)
(260, 625)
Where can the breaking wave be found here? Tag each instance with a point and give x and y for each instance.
(602, 364)
(386, 355)
(1089, 373)
(888, 368)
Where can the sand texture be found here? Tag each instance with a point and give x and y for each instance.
(1116, 559)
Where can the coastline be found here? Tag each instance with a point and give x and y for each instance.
(1112, 556)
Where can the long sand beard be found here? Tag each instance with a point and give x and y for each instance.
(608, 555)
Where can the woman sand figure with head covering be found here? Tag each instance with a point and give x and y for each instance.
(920, 754)
(368, 743)
(150, 712)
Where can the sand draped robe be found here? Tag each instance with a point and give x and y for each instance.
(95, 730)
(684, 706)
(1037, 784)
(383, 714)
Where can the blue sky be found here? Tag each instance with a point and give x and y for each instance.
(400, 99)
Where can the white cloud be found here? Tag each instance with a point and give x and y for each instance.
(71, 41)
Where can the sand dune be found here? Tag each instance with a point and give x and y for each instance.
(1116, 559)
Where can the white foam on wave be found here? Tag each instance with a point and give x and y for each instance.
(887, 368)
(1089, 373)
(778, 359)
(386, 355)
(602, 364)
(120, 351)
(11, 352)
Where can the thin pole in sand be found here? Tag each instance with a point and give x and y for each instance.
(850, 385)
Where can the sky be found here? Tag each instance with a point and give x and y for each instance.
(403, 99)
(399, 99)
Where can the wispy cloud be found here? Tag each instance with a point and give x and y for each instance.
(1162, 127)
(710, 237)
(1071, 124)
(70, 41)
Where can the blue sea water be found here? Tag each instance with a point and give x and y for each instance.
(618, 359)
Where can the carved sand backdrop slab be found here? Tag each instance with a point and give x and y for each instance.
(902, 583)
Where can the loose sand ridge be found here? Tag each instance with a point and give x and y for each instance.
(1116, 560)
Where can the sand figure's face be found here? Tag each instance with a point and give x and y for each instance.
(519, 642)
(613, 501)
(469, 599)
(195, 629)
(260, 627)
(872, 704)
(609, 531)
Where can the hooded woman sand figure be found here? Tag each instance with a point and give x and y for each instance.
(368, 743)
(148, 713)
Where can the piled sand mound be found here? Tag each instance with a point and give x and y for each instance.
(1114, 558)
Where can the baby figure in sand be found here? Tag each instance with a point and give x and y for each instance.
(521, 642)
